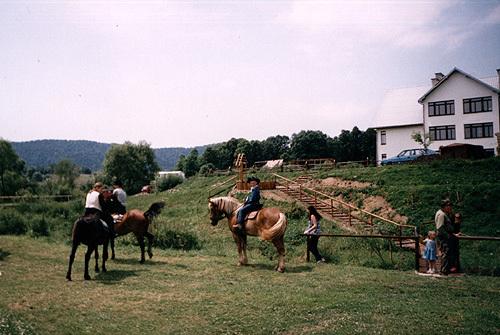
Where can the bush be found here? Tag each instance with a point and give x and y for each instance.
(168, 182)
(12, 223)
(166, 238)
(207, 169)
(40, 227)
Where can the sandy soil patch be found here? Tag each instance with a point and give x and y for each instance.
(337, 182)
(379, 206)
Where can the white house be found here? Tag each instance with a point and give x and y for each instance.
(456, 108)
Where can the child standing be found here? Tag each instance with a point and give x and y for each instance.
(430, 251)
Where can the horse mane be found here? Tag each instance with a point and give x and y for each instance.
(154, 210)
(226, 204)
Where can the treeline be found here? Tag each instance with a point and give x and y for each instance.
(88, 155)
(354, 145)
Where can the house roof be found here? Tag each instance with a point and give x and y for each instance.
(488, 84)
(400, 107)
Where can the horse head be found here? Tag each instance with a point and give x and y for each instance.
(215, 213)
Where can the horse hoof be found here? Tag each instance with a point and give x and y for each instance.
(104, 270)
(150, 254)
(68, 278)
(87, 277)
(113, 257)
(280, 270)
(142, 261)
(96, 269)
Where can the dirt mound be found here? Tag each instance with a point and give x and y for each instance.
(337, 182)
(379, 206)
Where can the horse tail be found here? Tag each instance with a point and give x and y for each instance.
(154, 210)
(74, 229)
(277, 230)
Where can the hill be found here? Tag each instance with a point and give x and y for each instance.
(86, 154)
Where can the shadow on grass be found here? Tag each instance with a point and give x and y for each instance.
(135, 261)
(288, 268)
(114, 276)
(3, 254)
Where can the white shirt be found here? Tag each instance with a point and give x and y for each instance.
(92, 200)
(120, 195)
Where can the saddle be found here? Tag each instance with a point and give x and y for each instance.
(93, 219)
(253, 214)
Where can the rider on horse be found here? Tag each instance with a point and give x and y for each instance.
(95, 204)
(251, 203)
(121, 197)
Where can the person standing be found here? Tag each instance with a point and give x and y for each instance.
(430, 252)
(313, 231)
(121, 196)
(252, 203)
(444, 228)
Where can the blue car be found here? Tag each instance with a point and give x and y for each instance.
(408, 156)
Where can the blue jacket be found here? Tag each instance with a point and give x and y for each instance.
(254, 197)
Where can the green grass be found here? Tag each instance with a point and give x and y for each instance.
(192, 293)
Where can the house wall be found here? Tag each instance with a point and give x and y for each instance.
(397, 139)
(458, 87)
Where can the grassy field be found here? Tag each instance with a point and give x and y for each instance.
(191, 293)
(193, 286)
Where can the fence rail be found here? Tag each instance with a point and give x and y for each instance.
(31, 197)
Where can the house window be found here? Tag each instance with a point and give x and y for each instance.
(478, 130)
(383, 137)
(439, 108)
(441, 133)
(384, 156)
(477, 105)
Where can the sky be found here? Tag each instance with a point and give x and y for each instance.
(188, 73)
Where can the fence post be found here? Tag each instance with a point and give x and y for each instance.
(307, 249)
(417, 251)
(400, 234)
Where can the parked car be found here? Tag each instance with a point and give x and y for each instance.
(408, 156)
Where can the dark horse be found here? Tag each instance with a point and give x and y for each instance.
(137, 222)
(92, 232)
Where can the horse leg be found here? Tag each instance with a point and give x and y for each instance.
(96, 259)
(104, 255)
(71, 259)
(112, 240)
(140, 239)
(239, 243)
(150, 238)
(280, 247)
(243, 242)
(88, 254)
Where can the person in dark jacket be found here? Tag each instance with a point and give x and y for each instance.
(252, 202)
(444, 228)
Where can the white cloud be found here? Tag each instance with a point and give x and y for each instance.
(407, 24)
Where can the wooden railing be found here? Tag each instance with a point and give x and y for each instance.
(231, 180)
(336, 204)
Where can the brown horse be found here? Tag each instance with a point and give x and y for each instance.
(137, 222)
(269, 224)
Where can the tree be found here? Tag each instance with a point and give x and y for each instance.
(311, 144)
(275, 147)
(66, 172)
(11, 169)
(191, 164)
(134, 164)
(422, 139)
